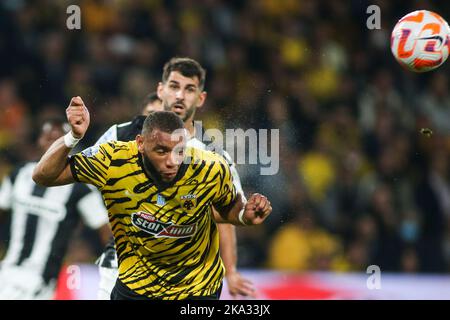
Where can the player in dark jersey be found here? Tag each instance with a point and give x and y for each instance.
(159, 197)
(42, 220)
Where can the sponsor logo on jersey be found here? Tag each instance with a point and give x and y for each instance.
(148, 223)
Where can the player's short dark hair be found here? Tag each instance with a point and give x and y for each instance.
(150, 98)
(187, 67)
(166, 121)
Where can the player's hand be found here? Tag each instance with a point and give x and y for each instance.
(238, 285)
(78, 117)
(256, 209)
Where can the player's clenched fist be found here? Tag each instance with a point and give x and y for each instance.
(256, 209)
(78, 117)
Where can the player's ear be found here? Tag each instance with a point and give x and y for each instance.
(202, 99)
(159, 90)
(140, 143)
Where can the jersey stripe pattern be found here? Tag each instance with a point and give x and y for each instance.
(166, 240)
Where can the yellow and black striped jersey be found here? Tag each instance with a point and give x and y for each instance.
(166, 239)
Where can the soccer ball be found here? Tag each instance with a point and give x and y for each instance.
(420, 41)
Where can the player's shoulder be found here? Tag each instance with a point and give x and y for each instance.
(128, 130)
(113, 149)
(119, 145)
(120, 148)
(123, 124)
(136, 122)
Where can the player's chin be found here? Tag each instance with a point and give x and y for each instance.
(180, 114)
(168, 178)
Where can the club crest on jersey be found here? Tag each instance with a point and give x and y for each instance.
(188, 201)
(148, 223)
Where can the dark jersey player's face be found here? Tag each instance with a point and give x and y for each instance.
(181, 95)
(164, 151)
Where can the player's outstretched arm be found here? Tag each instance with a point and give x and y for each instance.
(53, 168)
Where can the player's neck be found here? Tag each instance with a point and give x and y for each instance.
(189, 125)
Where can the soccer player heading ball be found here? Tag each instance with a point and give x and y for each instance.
(159, 195)
(181, 90)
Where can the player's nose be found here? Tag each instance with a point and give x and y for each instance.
(171, 161)
(179, 94)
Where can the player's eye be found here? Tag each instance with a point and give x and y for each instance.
(179, 151)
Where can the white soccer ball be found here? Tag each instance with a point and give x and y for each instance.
(420, 41)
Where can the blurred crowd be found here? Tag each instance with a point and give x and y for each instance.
(358, 183)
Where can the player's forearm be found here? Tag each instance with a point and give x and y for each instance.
(52, 163)
(231, 214)
(228, 251)
(252, 212)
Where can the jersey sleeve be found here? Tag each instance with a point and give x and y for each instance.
(5, 193)
(92, 209)
(235, 174)
(92, 164)
(226, 191)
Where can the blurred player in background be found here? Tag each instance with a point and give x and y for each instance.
(42, 222)
(184, 103)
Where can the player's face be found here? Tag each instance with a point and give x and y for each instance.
(163, 151)
(50, 133)
(181, 95)
(152, 107)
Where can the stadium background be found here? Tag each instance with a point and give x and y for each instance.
(358, 183)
